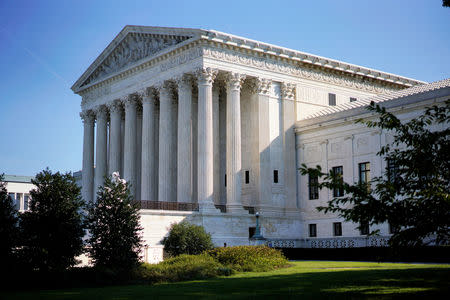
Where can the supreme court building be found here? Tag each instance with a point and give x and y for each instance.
(212, 128)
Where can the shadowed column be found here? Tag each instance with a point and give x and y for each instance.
(88, 155)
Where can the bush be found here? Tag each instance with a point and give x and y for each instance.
(249, 258)
(181, 268)
(186, 238)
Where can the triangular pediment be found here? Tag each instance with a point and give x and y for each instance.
(132, 44)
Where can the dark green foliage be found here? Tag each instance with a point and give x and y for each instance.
(113, 223)
(186, 238)
(414, 199)
(181, 268)
(8, 225)
(249, 258)
(446, 3)
(52, 231)
(213, 263)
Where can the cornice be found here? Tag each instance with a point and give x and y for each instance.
(296, 69)
(307, 58)
(227, 47)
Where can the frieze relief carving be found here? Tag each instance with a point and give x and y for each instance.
(134, 47)
(286, 68)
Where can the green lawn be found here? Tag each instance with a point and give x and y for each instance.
(310, 279)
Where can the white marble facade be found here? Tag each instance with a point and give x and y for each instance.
(203, 125)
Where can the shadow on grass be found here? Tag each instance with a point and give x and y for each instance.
(385, 284)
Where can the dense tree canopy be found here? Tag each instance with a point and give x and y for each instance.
(8, 224)
(413, 194)
(52, 230)
(113, 223)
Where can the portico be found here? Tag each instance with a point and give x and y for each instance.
(189, 105)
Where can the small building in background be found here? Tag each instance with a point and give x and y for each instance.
(19, 188)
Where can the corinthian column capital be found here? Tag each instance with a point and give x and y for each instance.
(87, 116)
(184, 81)
(235, 80)
(260, 85)
(101, 112)
(206, 75)
(129, 101)
(149, 95)
(288, 91)
(115, 106)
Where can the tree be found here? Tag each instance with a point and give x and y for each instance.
(8, 224)
(113, 223)
(413, 195)
(446, 3)
(52, 230)
(186, 238)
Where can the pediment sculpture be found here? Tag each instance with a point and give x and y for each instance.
(134, 47)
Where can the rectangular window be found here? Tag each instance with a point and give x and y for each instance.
(339, 172)
(364, 228)
(331, 99)
(12, 196)
(247, 177)
(225, 179)
(275, 176)
(364, 173)
(26, 199)
(313, 188)
(18, 200)
(312, 230)
(392, 170)
(337, 229)
(352, 99)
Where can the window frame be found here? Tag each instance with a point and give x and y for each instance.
(364, 228)
(366, 172)
(313, 191)
(337, 228)
(312, 230)
(339, 192)
(332, 99)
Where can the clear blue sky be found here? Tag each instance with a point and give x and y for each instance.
(46, 45)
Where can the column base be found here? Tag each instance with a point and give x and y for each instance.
(208, 208)
(236, 209)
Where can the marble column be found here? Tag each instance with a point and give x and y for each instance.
(115, 110)
(216, 144)
(88, 155)
(101, 150)
(148, 139)
(262, 91)
(290, 170)
(234, 184)
(205, 78)
(129, 164)
(165, 145)
(184, 149)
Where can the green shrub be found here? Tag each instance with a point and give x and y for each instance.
(186, 238)
(181, 268)
(249, 258)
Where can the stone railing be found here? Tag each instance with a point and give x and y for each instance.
(160, 205)
(350, 242)
(336, 242)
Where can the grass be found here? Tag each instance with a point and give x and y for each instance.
(306, 279)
